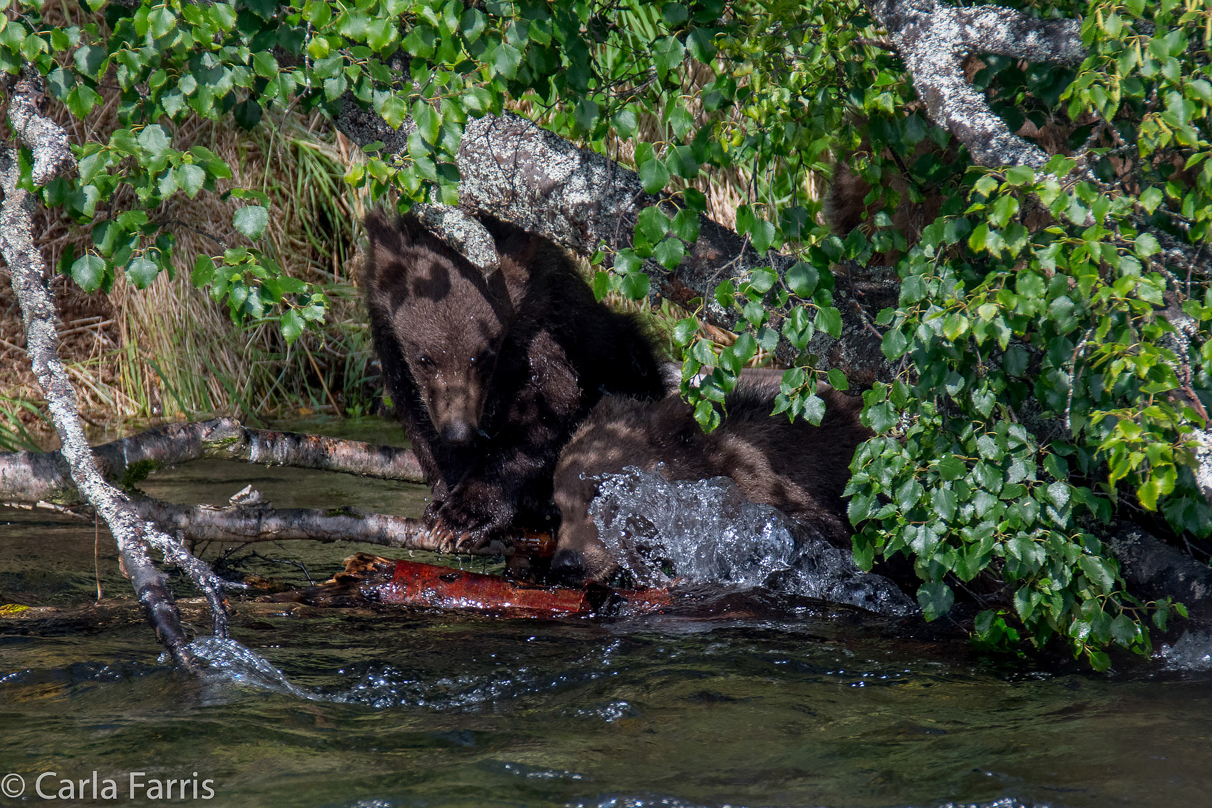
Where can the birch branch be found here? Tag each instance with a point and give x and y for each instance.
(261, 522)
(934, 39)
(28, 477)
(27, 268)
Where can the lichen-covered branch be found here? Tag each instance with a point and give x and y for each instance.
(934, 39)
(27, 268)
(46, 140)
(462, 232)
(28, 477)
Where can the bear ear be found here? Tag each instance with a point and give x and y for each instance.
(384, 229)
(389, 238)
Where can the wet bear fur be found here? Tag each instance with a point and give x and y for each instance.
(490, 374)
(796, 467)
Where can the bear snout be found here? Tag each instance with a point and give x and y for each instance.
(568, 568)
(458, 433)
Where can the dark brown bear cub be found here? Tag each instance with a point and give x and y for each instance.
(491, 374)
(793, 466)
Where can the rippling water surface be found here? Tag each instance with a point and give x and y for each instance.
(356, 708)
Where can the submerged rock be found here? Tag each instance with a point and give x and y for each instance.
(705, 532)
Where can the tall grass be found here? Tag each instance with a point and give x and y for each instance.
(14, 434)
(169, 351)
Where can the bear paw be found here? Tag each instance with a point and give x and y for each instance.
(461, 526)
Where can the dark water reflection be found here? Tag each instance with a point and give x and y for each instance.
(427, 709)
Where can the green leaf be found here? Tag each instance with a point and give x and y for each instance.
(829, 320)
(60, 82)
(627, 261)
(394, 111)
(472, 24)
(1150, 199)
(686, 225)
(880, 417)
(160, 21)
(988, 448)
(190, 178)
(675, 14)
(265, 65)
(1058, 492)
(1123, 630)
(667, 54)
(706, 415)
(894, 344)
(1099, 660)
(251, 221)
(380, 33)
(1147, 245)
(88, 272)
(669, 253)
(635, 285)
(684, 331)
(1099, 572)
(88, 59)
(935, 599)
(701, 45)
(626, 124)
(762, 280)
(951, 467)
(154, 139)
(863, 551)
(601, 285)
(506, 59)
(654, 175)
(224, 15)
(81, 100)
(814, 409)
(652, 224)
(428, 122)
(802, 279)
(141, 272)
(292, 326)
(203, 272)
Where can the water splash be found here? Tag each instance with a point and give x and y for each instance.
(1192, 652)
(229, 661)
(706, 532)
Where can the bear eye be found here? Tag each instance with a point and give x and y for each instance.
(425, 361)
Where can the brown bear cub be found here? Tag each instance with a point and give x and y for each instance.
(793, 466)
(490, 374)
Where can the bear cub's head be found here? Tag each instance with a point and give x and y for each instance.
(448, 320)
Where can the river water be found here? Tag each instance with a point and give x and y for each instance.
(823, 707)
